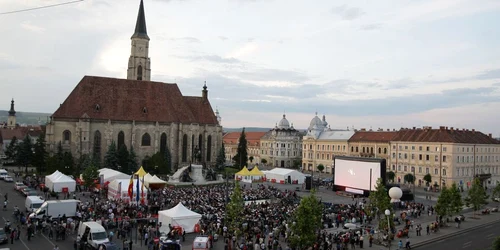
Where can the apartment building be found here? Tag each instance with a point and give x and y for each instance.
(282, 145)
(321, 144)
(368, 143)
(231, 141)
(449, 155)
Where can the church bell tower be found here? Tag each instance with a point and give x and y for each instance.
(139, 64)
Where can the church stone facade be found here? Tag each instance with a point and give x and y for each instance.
(136, 112)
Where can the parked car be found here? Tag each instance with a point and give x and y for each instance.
(8, 179)
(3, 236)
(29, 192)
(19, 186)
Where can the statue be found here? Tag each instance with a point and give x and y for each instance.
(197, 154)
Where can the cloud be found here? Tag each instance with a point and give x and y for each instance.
(213, 58)
(7, 64)
(223, 38)
(487, 75)
(370, 27)
(31, 27)
(348, 13)
(186, 39)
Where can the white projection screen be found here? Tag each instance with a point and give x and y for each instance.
(354, 172)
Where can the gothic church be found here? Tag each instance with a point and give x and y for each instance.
(137, 112)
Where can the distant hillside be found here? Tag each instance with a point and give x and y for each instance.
(29, 118)
(250, 129)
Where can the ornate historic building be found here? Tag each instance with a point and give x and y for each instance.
(136, 112)
(321, 144)
(282, 145)
(232, 139)
(447, 154)
(368, 143)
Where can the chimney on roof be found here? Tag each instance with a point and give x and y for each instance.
(363, 129)
(473, 130)
(490, 135)
(451, 128)
(441, 127)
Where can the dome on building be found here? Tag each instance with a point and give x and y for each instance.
(284, 124)
(316, 121)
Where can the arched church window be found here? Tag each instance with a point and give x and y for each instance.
(146, 140)
(97, 107)
(139, 73)
(66, 137)
(200, 144)
(121, 139)
(209, 148)
(163, 143)
(184, 147)
(97, 144)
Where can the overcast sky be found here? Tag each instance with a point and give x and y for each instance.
(365, 63)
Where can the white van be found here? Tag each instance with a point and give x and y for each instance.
(93, 234)
(33, 203)
(201, 243)
(3, 174)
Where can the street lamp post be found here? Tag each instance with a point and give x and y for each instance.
(388, 214)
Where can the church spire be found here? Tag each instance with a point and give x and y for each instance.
(12, 112)
(140, 25)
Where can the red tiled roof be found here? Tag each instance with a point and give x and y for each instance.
(18, 132)
(253, 138)
(444, 135)
(372, 136)
(124, 100)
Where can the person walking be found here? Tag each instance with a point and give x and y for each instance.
(407, 246)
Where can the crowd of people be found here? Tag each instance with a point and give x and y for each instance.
(266, 223)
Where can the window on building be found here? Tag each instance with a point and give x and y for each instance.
(444, 172)
(139, 73)
(427, 157)
(357, 149)
(393, 167)
(385, 150)
(379, 150)
(66, 137)
(399, 168)
(436, 171)
(444, 149)
(97, 144)
(420, 148)
(121, 139)
(412, 147)
(444, 158)
(420, 170)
(406, 147)
(427, 148)
(399, 155)
(413, 156)
(426, 170)
(405, 168)
(406, 156)
(436, 158)
(394, 155)
(209, 148)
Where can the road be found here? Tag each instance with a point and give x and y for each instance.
(481, 238)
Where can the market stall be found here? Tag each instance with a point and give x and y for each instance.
(285, 175)
(118, 189)
(60, 183)
(178, 216)
(243, 175)
(257, 175)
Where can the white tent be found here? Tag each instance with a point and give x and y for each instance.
(59, 182)
(111, 175)
(118, 189)
(178, 216)
(146, 179)
(156, 180)
(285, 175)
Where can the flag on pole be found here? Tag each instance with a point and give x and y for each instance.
(131, 188)
(142, 191)
(137, 190)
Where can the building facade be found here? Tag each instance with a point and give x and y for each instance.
(374, 144)
(321, 144)
(282, 145)
(232, 139)
(449, 155)
(136, 112)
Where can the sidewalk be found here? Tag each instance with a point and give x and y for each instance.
(468, 225)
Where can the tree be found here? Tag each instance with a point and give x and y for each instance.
(11, 150)
(263, 161)
(250, 159)
(320, 168)
(496, 244)
(496, 191)
(132, 160)
(307, 220)
(122, 156)
(67, 163)
(443, 206)
(410, 178)
(241, 157)
(476, 196)
(296, 163)
(111, 157)
(390, 176)
(428, 179)
(41, 155)
(89, 175)
(234, 210)
(456, 203)
(156, 164)
(25, 152)
(168, 160)
(379, 202)
(221, 158)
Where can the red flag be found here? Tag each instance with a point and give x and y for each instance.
(131, 188)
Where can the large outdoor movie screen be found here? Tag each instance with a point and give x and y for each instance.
(356, 173)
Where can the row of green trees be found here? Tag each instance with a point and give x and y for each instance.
(408, 178)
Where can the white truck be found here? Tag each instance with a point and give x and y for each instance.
(56, 209)
(33, 203)
(92, 234)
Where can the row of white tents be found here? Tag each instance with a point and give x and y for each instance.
(275, 175)
(59, 182)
